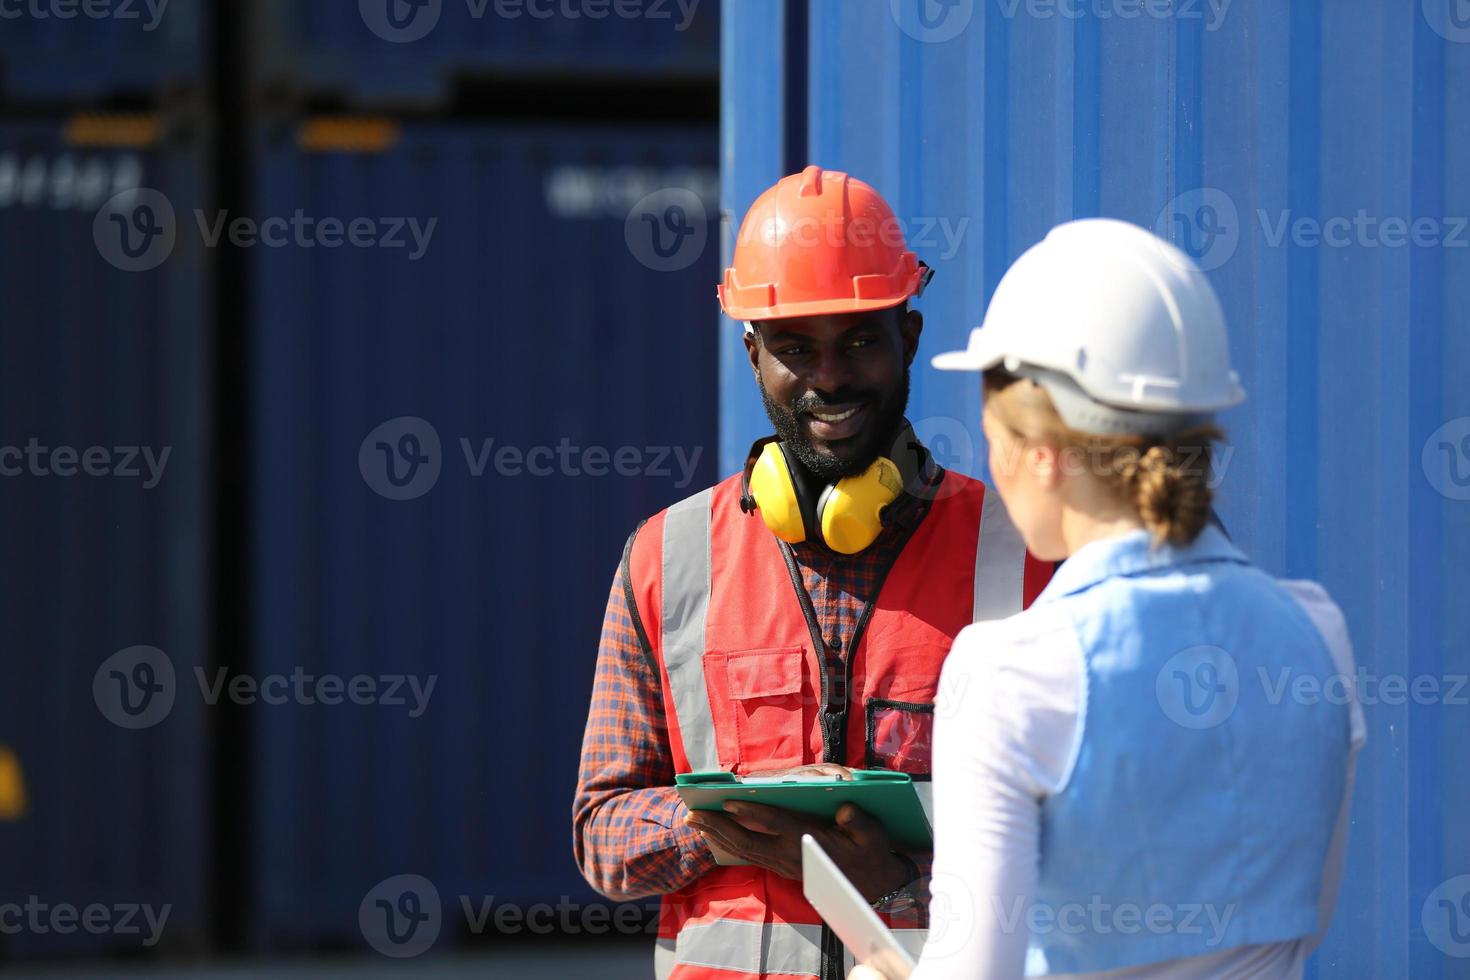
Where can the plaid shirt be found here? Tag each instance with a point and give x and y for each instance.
(628, 823)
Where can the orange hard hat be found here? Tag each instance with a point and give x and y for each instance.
(819, 242)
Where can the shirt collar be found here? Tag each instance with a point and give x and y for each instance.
(1133, 553)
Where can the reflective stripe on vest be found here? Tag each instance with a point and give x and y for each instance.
(757, 948)
(686, 591)
(1000, 562)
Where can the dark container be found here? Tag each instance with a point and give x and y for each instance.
(103, 371)
(377, 52)
(82, 53)
(392, 538)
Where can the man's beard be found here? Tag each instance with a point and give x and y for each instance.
(874, 442)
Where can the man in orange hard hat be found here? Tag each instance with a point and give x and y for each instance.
(796, 615)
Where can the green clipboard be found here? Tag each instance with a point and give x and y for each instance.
(887, 796)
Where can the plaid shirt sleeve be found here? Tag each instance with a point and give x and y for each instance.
(628, 823)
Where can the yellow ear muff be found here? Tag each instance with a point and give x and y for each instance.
(850, 513)
(775, 495)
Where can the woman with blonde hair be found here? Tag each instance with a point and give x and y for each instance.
(1127, 781)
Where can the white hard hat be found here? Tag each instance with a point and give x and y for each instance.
(1120, 327)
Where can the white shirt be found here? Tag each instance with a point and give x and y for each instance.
(1006, 724)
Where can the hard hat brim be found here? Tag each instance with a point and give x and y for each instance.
(787, 311)
(978, 356)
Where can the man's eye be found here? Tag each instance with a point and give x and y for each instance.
(789, 351)
(862, 342)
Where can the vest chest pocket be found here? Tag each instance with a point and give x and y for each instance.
(900, 736)
(757, 700)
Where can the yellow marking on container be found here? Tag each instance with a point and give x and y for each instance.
(12, 787)
(348, 134)
(101, 129)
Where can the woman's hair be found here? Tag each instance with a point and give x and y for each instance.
(1167, 479)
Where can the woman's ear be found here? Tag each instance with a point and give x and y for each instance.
(1045, 461)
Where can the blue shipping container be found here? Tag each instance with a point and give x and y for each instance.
(81, 53)
(455, 429)
(1311, 155)
(104, 469)
(411, 51)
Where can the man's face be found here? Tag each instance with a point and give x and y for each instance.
(836, 386)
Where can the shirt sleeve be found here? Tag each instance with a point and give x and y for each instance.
(1329, 620)
(1006, 731)
(628, 827)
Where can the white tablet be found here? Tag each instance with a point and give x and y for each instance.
(853, 919)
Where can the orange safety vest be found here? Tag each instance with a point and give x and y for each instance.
(745, 686)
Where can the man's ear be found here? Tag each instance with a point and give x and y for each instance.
(752, 340)
(909, 328)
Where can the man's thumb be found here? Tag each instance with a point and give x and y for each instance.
(858, 824)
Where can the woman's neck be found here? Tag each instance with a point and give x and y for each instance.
(1080, 528)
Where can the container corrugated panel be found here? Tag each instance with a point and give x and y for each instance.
(79, 53)
(104, 466)
(1310, 155)
(412, 51)
(557, 367)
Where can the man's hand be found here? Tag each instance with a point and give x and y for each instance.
(770, 838)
